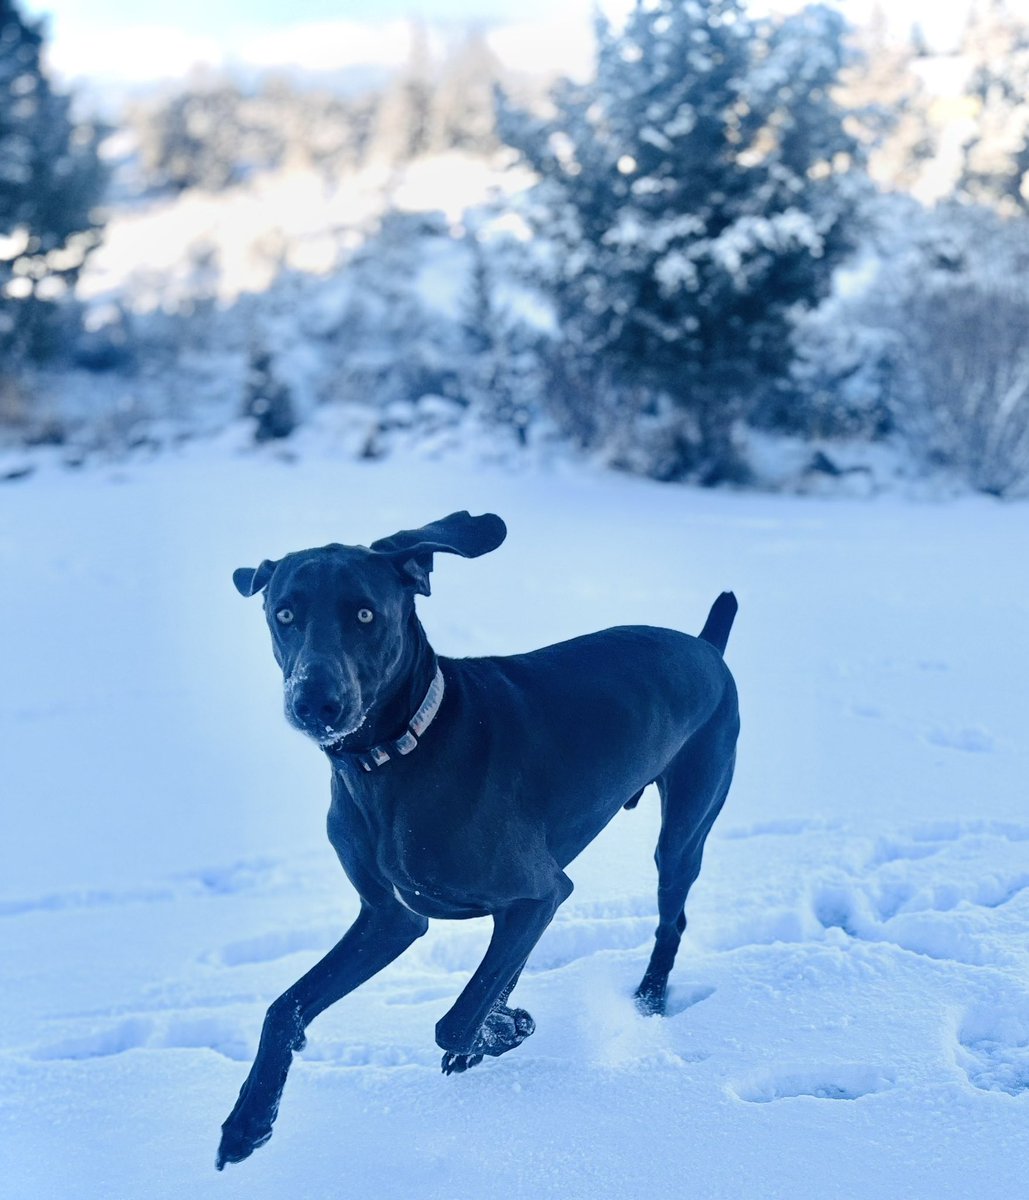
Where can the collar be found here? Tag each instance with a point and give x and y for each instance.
(379, 755)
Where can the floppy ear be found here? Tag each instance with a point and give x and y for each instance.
(249, 581)
(412, 549)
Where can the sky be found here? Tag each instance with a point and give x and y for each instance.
(137, 41)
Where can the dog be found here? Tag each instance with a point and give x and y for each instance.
(464, 787)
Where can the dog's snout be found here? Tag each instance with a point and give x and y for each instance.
(325, 708)
(323, 705)
(318, 701)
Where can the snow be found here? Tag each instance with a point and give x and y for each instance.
(849, 1013)
(291, 218)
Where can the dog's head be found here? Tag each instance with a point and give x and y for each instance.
(342, 618)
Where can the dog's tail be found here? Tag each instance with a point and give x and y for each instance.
(719, 621)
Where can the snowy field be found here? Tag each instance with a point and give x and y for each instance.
(850, 1009)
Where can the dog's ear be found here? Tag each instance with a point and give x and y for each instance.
(412, 549)
(250, 580)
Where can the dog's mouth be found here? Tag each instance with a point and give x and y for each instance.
(333, 741)
(331, 738)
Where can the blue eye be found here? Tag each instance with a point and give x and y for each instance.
(365, 615)
(284, 616)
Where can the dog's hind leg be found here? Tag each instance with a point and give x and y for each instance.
(693, 788)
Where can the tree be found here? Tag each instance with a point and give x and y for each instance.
(501, 378)
(696, 194)
(198, 138)
(889, 105)
(462, 115)
(51, 180)
(215, 133)
(996, 159)
(401, 127)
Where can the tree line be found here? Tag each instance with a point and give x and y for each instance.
(699, 200)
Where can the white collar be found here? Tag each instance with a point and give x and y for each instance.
(378, 756)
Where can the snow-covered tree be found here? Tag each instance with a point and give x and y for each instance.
(462, 115)
(200, 137)
(890, 105)
(696, 192)
(996, 160)
(215, 133)
(51, 180)
(501, 376)
(400, 130)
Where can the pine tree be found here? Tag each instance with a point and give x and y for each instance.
(500, 366)
(51, 180)
(696, 193)
(200, 138)
(401, 127)
(889, 105)
(462, 114)
(996, 159)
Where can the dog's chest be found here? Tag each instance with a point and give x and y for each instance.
(429, 904)
(433, 870)
(433, 866)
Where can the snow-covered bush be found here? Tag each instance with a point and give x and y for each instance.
(842, 380)
(967, 354)
(389, 336)
(415, 332)
(266, 399)
(925, 337)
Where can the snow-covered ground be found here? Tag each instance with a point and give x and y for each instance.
(850, 1010)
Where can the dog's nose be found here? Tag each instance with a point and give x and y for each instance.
(327, 709)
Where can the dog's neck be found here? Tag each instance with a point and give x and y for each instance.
(391, 714)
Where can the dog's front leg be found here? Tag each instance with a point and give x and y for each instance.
(479, 1023)
(376, 938)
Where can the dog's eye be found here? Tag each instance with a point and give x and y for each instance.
(284, 616)
(365, 615)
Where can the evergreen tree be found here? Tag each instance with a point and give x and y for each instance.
(462, 113)
(199, 138)
(401, 127)
(500, 377)
(889, 105)
(695, 193)
(214, 135)
(51, 180)
(996, 159)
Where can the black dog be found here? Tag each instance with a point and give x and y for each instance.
(464, 787)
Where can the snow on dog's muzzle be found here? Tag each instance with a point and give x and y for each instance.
(321, 704)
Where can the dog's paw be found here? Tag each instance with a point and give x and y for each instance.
(650, 1001)
(237, 1144)
(243, 1134)
(504, 1029)
(454, 1064)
